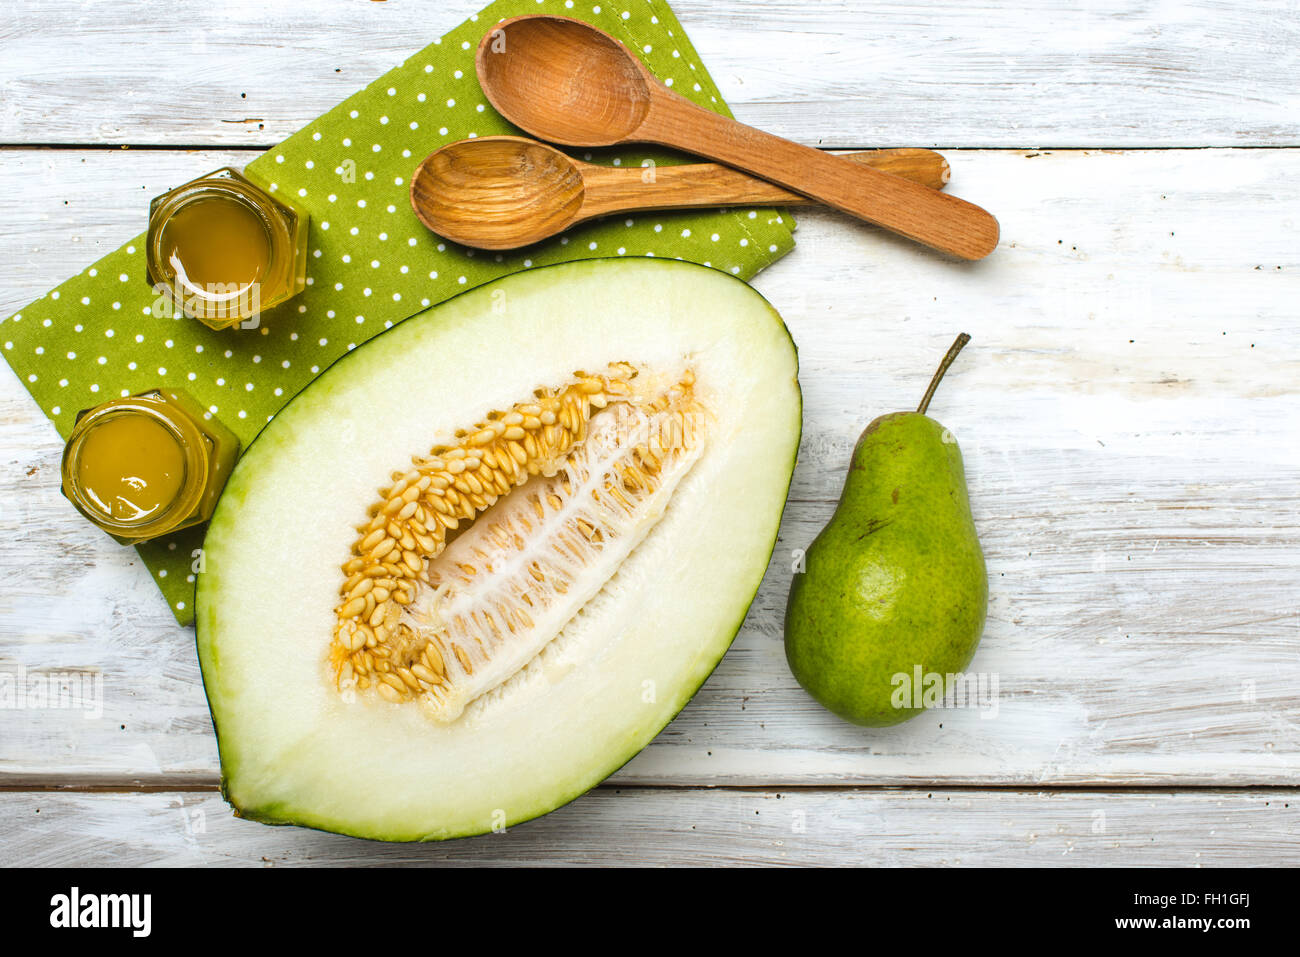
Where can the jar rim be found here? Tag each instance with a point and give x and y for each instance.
(227, 184)
(187, 437)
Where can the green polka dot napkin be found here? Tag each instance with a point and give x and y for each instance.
(370, 262)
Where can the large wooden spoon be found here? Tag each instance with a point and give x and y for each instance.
(566, 81)
(503, 192)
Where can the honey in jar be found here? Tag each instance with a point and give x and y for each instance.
(223, 250)
(146, 465)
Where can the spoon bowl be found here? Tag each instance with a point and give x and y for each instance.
(577, 83)
(497, 192)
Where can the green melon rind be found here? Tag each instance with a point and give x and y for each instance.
(269, 443)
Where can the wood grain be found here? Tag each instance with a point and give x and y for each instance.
(617, 101)
(939, 73)
(504, 192)
(1128, 411)
(708, 828)
(611, 190)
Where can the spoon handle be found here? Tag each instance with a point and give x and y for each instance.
(611, 190)
(935, 219)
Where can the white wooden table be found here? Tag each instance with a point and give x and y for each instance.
(1128, 411)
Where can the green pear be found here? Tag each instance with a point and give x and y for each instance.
(894, 588)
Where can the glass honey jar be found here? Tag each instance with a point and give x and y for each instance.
(222, 249)
(147, 465)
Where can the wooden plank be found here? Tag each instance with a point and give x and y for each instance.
(833, 73)
(1127, 409)
(874, 828)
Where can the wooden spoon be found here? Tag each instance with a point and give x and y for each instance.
(503, 192)
(566, 81)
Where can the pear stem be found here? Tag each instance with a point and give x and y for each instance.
(943, 367)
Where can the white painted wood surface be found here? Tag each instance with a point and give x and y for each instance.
(831, 72)
(973, 828)
(1127, 409)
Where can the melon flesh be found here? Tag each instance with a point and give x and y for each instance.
(294, 750)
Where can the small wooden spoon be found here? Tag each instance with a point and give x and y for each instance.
(503, 192)
(565, 81)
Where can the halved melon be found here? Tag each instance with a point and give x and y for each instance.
(482, 560)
